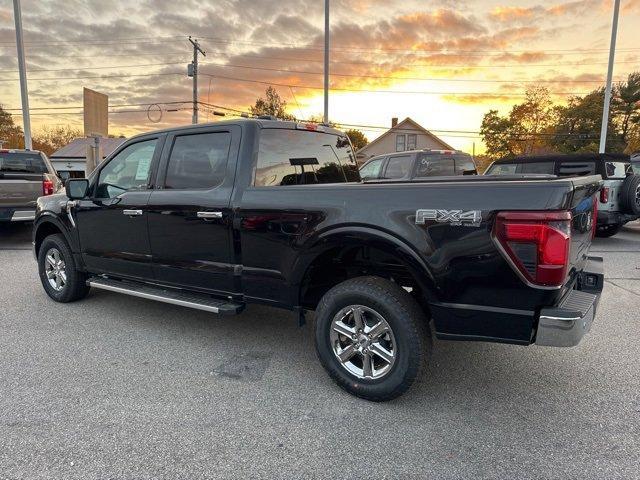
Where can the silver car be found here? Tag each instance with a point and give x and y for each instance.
(25, 175)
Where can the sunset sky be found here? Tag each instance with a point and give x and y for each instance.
(443, 63)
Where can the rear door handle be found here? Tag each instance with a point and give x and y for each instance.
(132, 213)
(209, 215)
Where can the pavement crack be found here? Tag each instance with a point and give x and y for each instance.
(623, 288)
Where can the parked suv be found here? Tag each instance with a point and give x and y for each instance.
(619, 197)
(218, 216)
(25, 175)
(417, 164)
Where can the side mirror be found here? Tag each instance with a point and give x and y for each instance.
(76, 188)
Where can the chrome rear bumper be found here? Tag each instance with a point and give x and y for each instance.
(566, 324)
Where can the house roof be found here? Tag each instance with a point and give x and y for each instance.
(78, 147)
(407, 124)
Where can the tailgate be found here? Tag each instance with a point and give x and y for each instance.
(20, 189)
(582, 206)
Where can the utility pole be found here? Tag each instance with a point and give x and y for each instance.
(607, 92)
(26, 120)
(326, 62)
(192, 71)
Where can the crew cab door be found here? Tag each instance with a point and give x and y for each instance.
(112, 223)
(190, 218)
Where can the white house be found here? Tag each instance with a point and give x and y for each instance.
(70, 160)
(403, 136)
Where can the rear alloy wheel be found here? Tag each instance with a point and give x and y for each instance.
(371, 337)
(363, 342)
(59, 275)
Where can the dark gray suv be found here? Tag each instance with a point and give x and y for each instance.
(25, 175)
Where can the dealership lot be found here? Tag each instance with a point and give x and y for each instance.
(120, 387)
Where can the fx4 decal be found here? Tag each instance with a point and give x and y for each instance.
(472, 218)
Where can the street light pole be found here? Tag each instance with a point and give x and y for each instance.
(26, 120)
(607, 92)
(326, 62)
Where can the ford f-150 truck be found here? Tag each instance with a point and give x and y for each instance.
(220, 215)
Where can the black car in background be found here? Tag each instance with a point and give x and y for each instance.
(418, 164)
(619, 197)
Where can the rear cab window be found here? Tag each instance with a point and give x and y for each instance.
(301, 157)
(502, 169)
(22, 162)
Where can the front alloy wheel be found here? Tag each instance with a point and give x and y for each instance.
(55, 269)
(363, 342)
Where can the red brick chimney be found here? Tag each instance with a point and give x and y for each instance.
(394, 122)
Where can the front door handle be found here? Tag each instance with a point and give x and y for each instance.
(209, 215)
(132, 213)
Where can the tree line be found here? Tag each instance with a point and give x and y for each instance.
(538, 126)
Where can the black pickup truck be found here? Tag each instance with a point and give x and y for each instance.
(220, 215)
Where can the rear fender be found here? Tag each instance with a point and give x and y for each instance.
(362, 236)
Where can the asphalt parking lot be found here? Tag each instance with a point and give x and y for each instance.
(117, 387)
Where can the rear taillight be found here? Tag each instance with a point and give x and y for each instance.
(537, 244)
(604, 194)
(47, 187)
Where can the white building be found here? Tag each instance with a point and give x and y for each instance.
(70, 161)
(403, 136)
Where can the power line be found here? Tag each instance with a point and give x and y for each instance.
(382, 77)
(111, 106)
(311, 87)
(387, 77)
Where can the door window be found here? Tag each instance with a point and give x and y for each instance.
(464, 165)
(398, 167)
(198, 161)
(502, 169)
(128, 170)
(540, 167)
(371, 169)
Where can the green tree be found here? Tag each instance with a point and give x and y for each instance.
(48, 140)
(272, 104)
(10, 133)
(525, 130)
(358, 139)
(578, 124)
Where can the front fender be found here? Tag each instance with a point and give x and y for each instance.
(52, 211)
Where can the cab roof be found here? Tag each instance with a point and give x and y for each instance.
(264, 122)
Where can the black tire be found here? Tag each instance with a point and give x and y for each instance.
(630, 195)
(405, 319)
(607, 231)
(74, 288)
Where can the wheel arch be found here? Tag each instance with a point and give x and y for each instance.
(49, 225)
(357, 251)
